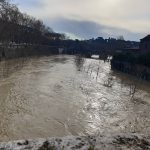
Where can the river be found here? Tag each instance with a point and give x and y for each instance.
(67, 95)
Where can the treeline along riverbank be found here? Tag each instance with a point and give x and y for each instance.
(22, 35)
(137, 65)
(19, 28)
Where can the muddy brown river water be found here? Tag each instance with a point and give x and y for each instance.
(67, 95)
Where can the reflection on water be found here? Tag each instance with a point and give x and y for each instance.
(66, 95)
(10, 66)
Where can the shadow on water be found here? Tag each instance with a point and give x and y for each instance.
(7, 67)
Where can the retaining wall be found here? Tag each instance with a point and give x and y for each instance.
(101, 142)
(25, 51)
(140, 71)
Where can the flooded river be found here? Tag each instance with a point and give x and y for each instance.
(68, 95)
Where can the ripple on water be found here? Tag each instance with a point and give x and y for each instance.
(67, 95)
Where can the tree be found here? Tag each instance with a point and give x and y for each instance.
(120, 38)
(22, 28)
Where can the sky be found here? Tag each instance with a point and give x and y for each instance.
(85, 19)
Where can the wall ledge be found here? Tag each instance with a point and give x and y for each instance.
(100, 142)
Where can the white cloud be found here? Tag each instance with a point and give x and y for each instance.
(131, 15)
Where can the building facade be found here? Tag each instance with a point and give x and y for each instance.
(145, 44)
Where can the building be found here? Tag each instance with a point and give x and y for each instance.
(145, 44)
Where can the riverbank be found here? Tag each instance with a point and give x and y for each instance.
(101, 142)
(137, 65)
(26, 51)
(140, 71)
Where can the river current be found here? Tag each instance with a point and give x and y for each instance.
(68, 95)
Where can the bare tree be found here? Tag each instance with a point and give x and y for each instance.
(17, 27)
(133, 89)
(120, 38)
(108, 82)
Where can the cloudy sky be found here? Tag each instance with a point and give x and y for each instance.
(92, 18)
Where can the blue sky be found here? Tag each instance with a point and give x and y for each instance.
(92, 18)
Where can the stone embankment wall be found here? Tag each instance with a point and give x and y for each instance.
(140, 71)
(25, 51)
(100, 142)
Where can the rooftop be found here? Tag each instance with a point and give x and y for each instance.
(147, 38)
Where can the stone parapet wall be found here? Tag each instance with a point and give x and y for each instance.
(100, 142)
